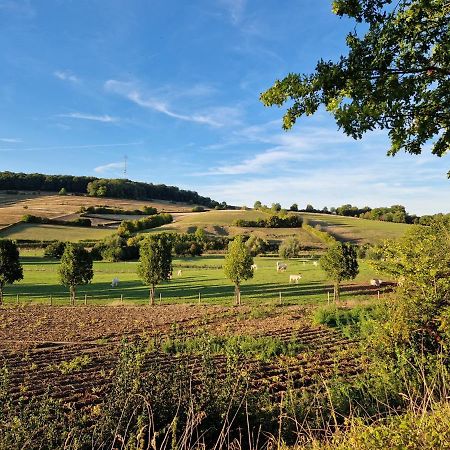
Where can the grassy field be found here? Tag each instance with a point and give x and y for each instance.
(356, 230)
(51, 232)
(202, 275)
(13, 207)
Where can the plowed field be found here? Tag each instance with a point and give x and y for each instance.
(71, 353)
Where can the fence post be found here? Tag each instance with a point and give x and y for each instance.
(378, 293)
(121, 298)
(281, 298)
(17, 298)
(199, 298)
(328, 292)
(85, 299)
(51, 300)
(160, 297)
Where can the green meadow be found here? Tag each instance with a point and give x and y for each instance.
(202, 275)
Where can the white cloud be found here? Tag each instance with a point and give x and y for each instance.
(109, 167)
(260, 163)
(66, 75)
(214, 116)
(103, 118)
(11, 140)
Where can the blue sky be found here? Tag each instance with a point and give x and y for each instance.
(175, 86)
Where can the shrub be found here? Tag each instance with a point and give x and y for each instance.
(55, 249)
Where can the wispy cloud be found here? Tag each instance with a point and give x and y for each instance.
(97, 118)
(109, 167)
(235, 9)
(21, 8)
(213, 116)
(11, 140)
(66, 75)
(74, 147)
(260, 163)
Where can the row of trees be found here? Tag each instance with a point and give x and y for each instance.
(155, 263)
(101, 187)
(274, 221)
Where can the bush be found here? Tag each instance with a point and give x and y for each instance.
(290, 248)
(198, 209)
(55, 249)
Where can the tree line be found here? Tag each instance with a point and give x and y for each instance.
(102, 187)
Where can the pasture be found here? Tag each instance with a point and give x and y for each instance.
(202, 275)
(13, 207)
(359, 231)
(40, 232)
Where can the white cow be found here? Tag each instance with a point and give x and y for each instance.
(281, 267)
(376, 282)
(254, 267)
(179, 273)
(294, 278)
(115, 282)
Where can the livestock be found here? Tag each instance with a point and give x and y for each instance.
(179, 273)
(115, 282)
(254, 267)
(376, 282)
(294, 278)
(281, 267)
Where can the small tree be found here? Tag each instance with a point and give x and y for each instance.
(340, 263)
(238, 265)
(256, 245)
(75, 268)
(276, 207)
(10, 267)
(155, 262)
(257, 204)
(62, 191)
(294, 207)
(290, 248)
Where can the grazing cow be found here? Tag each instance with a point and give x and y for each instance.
(376, 282)
(115, 282)
(254, 267)
(281, 267)
(179, 273)
(315, 263)
(294, 278)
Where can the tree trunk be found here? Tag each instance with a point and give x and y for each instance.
(237, 295)
(72, 295)
(152, 296)
(337, 291)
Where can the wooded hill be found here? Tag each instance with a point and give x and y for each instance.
(101, 187)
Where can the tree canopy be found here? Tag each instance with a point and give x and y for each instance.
(396, 76)
(76, 268)
(10, 267)
(238, 265)
(340, 263)
(155, 261)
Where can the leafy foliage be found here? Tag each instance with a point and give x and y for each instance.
(290, 248)
(394, 77)
(340, 263)
(155, 261)
(75, 268)
(10, 267)
(237, 266)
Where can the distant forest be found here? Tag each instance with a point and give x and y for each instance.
(102, 187)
